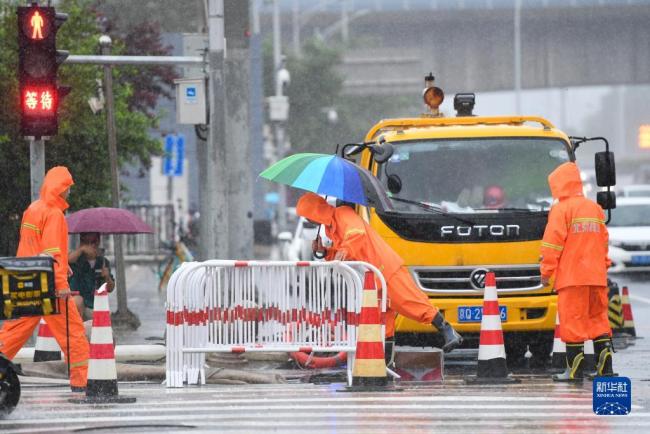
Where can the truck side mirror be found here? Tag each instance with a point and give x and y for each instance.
(382, 153)
(394, 183)
(606, 199)
(605, 170)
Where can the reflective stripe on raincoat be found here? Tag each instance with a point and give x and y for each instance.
(353, 238)
(574, 247)
(43, 229)
(350, 234)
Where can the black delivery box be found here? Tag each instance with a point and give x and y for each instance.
(27, 287)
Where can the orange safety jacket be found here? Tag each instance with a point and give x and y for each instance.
(575, 242)
(43, 229)
(350, 234)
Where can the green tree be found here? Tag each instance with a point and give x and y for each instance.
(81, 143)
(316, 87)
(178, 15)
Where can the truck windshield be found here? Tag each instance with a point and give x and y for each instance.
(466, 176)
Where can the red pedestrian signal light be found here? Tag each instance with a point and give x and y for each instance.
(38, 65)
(39, 101)
(35, 26)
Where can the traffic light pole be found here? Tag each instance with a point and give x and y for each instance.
(36, 165)
(83, 59)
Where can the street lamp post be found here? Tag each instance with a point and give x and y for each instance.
(123, 316)
(278, 109)
(517, 56)
(295, 27)
(345, 22)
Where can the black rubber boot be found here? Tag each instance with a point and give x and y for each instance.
(575, 357)
(603, 350)
(389, 352)
(452, 338)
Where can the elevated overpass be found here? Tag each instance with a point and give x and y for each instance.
(473, 49)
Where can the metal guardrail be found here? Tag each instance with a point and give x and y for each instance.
(249, 306)
(161, 219)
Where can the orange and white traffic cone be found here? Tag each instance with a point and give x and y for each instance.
(492, 367)
(628, 319)
(369, 368)
(46, 349)
(590, 357)
(558, 357)
(102, 373)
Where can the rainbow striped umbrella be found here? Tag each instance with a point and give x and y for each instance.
(329, 175)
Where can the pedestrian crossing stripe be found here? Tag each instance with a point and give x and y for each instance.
(537, 401)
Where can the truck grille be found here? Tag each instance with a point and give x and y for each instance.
(466, 280)
(635, 247)
(635, 264)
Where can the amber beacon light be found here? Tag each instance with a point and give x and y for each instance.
(644, 137)
(433, 96)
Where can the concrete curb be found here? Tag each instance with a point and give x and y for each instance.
(123, 353)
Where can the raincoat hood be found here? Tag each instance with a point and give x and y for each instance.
(565, 181)
(56, 181)
(313, 207)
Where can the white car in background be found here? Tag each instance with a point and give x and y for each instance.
(629, 235)
(297, 246)
(636, 190)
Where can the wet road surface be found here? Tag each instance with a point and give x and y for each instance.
(535, 405)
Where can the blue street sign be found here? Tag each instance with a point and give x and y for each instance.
(190, 92)
(168, 168)
(180, 155)
(174, 157)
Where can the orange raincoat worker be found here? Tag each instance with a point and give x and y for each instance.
(44, 231)
(574, 249)
(354, 240)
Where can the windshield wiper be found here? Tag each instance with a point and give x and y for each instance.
(432, 208)
(509, 209)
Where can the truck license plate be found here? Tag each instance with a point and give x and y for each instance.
(640, 260)
(475, 313)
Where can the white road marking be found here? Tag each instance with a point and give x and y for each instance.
(392, 399)
(639, 298)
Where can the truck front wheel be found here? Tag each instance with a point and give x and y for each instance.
(9, 390)
(541, 352)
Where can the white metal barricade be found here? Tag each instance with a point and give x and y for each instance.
(244, 306)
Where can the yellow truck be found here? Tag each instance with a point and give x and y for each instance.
(470, 194)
